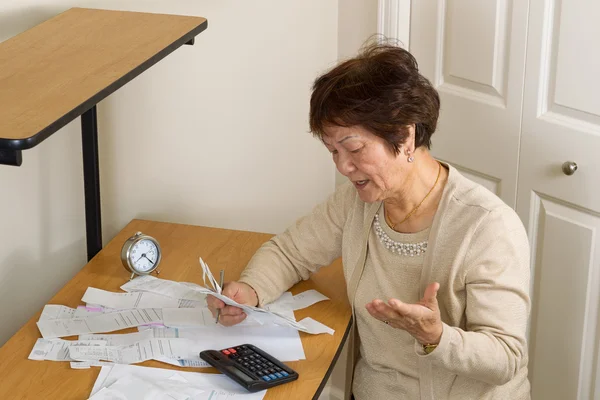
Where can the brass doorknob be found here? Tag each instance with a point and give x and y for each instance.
(569, 167)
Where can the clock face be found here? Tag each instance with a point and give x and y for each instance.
(143, 256)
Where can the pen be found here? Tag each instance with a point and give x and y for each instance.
(221, 286)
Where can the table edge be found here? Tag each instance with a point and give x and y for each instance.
(36, 139)
(336, 356)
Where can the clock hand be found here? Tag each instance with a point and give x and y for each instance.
(151, 262)
(143, 255)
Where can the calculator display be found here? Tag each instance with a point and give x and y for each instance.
(240, 374)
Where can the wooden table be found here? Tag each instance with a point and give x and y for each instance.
(182, 245)
(60, 69)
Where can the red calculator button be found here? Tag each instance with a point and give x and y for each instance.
(232, 351)
(226, 352)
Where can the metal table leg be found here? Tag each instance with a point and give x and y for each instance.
(91, 181)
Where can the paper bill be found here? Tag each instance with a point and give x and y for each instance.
(307, 298)
(55, 311)
(187, 317)
(119, 339)
(89, 364)
(164, 287)
(99, 323)
(57, 349)
(149, 349)
(282, 343)
(129, 300)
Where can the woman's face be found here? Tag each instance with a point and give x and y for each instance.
(367, 160)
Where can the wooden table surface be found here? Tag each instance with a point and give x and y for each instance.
(55, 71)
(181, 245)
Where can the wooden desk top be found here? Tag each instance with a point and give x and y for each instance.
(182, 245)
(55, 71)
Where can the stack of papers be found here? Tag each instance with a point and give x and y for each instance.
(174, 326)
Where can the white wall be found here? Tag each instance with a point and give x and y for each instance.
(357, 21)
(215, 134)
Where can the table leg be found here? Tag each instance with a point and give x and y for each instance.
(11, 157)
(91, 181)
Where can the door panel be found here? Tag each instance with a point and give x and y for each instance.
(561, 123)
(567, 289)
(474, 53)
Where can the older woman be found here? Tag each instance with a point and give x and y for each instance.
(437, 267)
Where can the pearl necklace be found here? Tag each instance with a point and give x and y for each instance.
(406, 249)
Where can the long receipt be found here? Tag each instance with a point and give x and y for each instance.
(99, 323)
(58, 350)
(136, 300)
(120, 339)
(149, 349)
(176, 290)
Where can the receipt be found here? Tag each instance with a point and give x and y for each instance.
(307, 298)
(132, 300)
(164, 287)
(55, 311)
(99, 323)
(144, 350)
(88, 364)
(120, 339)
(58, 349)
(186, 317)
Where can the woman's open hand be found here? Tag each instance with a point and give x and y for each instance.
(421, 320)
(242, 293)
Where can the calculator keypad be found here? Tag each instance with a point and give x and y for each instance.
(255, 363)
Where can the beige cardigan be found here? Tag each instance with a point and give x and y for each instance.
(479, 253)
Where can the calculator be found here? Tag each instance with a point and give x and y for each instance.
(250, 366)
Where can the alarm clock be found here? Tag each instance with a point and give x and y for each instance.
(141, 255)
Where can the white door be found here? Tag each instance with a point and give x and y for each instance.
(473, 51)
(561, 124)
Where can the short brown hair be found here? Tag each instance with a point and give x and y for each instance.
(381, 90)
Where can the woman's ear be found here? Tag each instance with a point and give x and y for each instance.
(409, 144)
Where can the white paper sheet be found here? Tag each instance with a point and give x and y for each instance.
(88, 364)
(284, 303)
(149, 349)
(307, 298)
(130, 387)
(176, 290)
(126, 301)
(120, 339)
(278, 314)
(263, 315)
(187, 317)
(55, 311)
(99, 323)
(218, 386)
(58, 349)
(315, 327)
(281, 342)
(198, 363)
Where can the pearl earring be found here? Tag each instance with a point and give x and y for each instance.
(410, 157)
